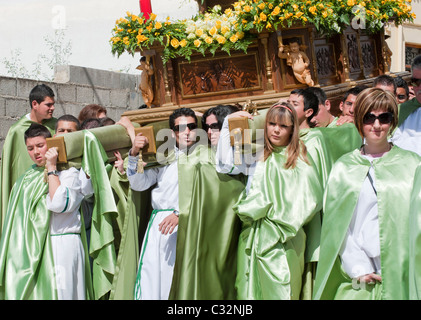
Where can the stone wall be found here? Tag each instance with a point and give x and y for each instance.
(74, 87)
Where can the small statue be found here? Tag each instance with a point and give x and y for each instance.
(145, 85)
(297, 59)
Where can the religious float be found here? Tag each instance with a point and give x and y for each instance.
(254, 52)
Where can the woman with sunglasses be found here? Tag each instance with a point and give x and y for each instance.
(285, 192)
(364, 239)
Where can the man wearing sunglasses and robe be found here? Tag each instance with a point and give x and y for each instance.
(157, 257)
(408, 133)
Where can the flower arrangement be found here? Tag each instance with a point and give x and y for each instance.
(236, 27)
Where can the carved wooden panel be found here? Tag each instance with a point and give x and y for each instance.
(352, 46)
(219, 75)
(325, 62)
(369, 56)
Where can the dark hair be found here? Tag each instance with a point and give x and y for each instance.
(310, 101)
(355, 91)
(186, 112)
(220, 112)
(319, 93)
(39, 93)
(385, 80)
(91, 111)
(106, 121)
(401, 83)
(36, 130)
(91, 123)
(68, 118)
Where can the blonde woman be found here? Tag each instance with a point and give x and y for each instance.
(364, 241)
(284, 194)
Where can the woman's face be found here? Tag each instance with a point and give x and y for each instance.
(376, 132)
(279, 132)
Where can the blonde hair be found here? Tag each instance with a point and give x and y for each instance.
(286, 114)
(374, 99)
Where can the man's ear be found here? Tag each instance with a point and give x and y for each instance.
(327, 105)
(308, 112)
(34, 104)
(341, 106)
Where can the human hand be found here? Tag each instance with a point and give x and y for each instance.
(344, 119)
(370, 278)
(168, 224)
(140, 141)
(119, 163)
(51, 159)
(128, 125)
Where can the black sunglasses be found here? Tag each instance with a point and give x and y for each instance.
(384, 118)
(182, 127)
(415, 82)
(212, 126)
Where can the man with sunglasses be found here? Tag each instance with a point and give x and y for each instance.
(158, 250)
(408, 133)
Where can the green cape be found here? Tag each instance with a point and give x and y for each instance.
(27, 272)
(208, 230)
(394, 175)
(272, 243)
(15, 159)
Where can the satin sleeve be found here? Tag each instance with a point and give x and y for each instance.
(225, 153)
(140, 181)
(68, 195)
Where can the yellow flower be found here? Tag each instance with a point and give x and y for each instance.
(153, 16)
(261, 5)
(174, 43)
(183, 43)
(197, 43)
(313, 10)
(299, 14)
(141, 38)
(158, 25)
(234, 38)
(224, 29)
(276, 11)
(199, 32)
(221, 39)
(350, 3)
(263, 17)
(208, 40)
(213, 31)
(247, 8)
(240, 35)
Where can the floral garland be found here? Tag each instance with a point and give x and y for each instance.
(236, 27)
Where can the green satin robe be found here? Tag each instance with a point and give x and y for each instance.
(394, 175)
(208, 230)
(406, 108)
(272, 241)
(415, 239)
(27, 271)
(15, 159)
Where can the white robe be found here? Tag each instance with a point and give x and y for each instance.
(65, 228)
(408, 135)
(157, 257)
(360, 252)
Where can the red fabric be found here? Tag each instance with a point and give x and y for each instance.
(145, 7)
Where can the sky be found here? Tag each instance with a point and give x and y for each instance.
(86, 25)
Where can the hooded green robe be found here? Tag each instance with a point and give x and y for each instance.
(394, 176)
(15, 159)
(272, 241)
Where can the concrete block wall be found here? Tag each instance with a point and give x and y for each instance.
(74, 88)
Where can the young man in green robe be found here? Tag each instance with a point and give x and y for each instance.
(43, 218)
(14, 159)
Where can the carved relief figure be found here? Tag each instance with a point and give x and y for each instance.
(145, 85)
(297, 59)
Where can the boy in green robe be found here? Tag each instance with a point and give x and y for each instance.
(14, 159)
